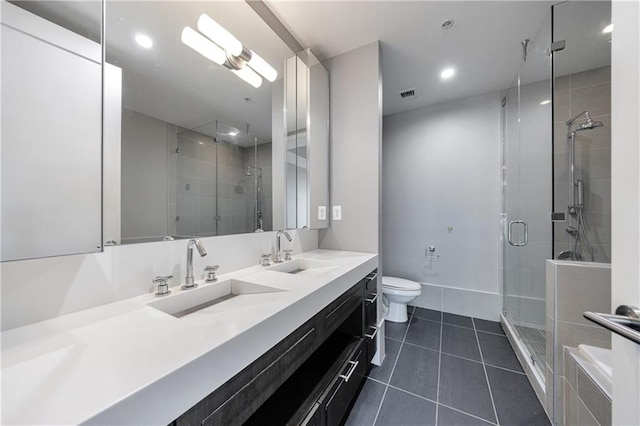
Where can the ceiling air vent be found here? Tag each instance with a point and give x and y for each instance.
(408, 94)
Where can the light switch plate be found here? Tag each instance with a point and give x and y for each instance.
(337, 212)
(322, 212)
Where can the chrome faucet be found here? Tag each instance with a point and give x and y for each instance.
(278, 258)
(188, 280)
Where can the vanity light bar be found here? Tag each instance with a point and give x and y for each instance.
(221, 47)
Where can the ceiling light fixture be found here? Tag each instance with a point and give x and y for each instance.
(608, 29)
(144, 41)
(447, 73)
(545, 102)
(221, 47)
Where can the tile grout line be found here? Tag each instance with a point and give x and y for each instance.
(484, 368)
(468, 414)
(386, 388)
(439, 364)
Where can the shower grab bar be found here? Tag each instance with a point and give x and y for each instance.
(526, 233)
(624, 323)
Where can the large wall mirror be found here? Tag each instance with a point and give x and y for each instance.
(181, 132)
(198, 81)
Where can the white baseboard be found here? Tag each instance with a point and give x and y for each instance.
(472, 303)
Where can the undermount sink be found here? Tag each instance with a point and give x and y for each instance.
(303, 267)
(191, 301)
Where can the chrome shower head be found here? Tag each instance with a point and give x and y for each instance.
(588, 125)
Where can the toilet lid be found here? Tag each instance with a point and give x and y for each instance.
(400, 283)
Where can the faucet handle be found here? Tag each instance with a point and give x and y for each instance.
(211, 273)
(163, 284)
(265, 259)
(287, 254)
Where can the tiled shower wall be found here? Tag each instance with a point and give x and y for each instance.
(215, 196)
(574, 93)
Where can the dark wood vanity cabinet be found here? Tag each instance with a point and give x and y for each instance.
(310, 378)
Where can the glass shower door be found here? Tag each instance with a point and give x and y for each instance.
(527, 195)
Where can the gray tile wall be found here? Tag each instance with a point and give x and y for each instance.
(574, 93)
(572, 288)
(212, 182)
(584, 402)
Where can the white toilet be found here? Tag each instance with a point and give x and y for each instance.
(397, 293)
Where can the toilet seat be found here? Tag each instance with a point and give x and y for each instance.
(399, 284)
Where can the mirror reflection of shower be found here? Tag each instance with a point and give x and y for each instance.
(576, 205)
(257, 173)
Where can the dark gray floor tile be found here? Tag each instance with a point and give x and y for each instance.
(424, 333)
(400, 408)
(395, 330)
(449, 417)
(417, 371)
(488, 326)
(496, 350)
(460, 341)
(428, 314)
(516, 402)
(366, 407)
(463, 385)
(459, 320)
(383, 373)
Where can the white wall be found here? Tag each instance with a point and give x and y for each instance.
(625, 179)
(440, 188)
(355, 117)
(41, 289)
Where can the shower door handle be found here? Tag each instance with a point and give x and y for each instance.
(526, 233)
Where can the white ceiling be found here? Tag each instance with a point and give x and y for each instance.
(173, 83)
(483, 44)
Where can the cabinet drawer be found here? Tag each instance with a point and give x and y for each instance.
(343, 389)
(371, 309)
(336, 313)
(243, 403)
(371, 282)
(370, 338)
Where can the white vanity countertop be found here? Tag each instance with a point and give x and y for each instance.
(129, 363)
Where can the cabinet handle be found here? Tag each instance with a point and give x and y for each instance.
(354, 365)
(373, 299)
(372, 335)
(372, 276)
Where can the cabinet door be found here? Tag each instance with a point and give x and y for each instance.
(344, 388)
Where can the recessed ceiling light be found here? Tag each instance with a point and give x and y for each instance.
(144, 41)
(447, 73)
(608, 29)
(545, 102)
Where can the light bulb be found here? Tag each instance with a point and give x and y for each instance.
(249, 75)
(262, 67)
(203, 45)
(219, 35)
